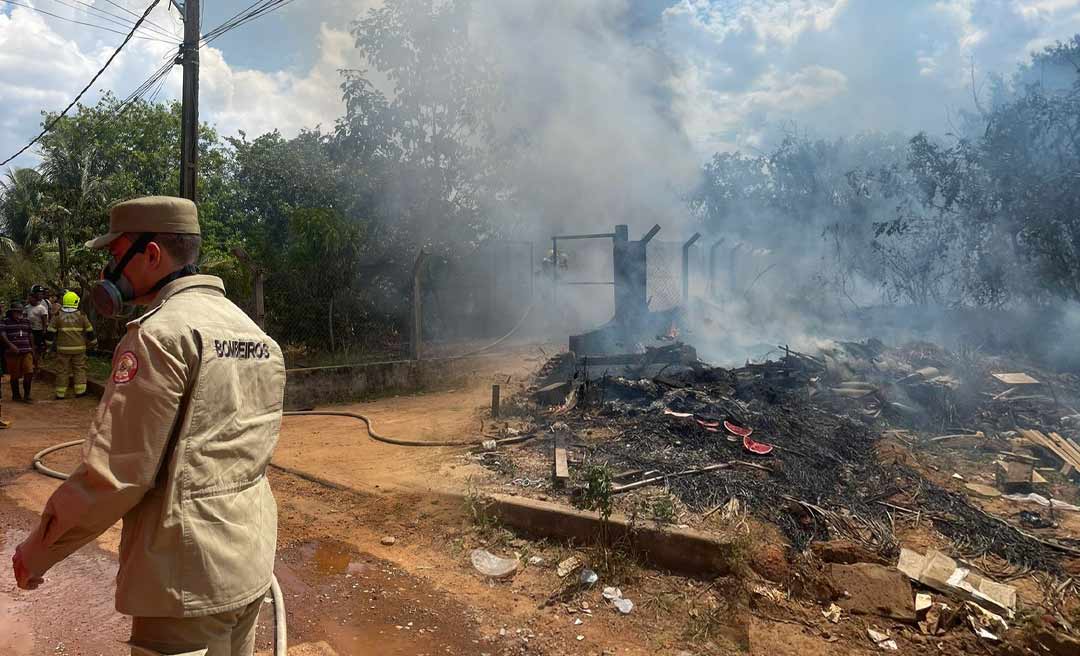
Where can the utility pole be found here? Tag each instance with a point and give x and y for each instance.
(189, 116)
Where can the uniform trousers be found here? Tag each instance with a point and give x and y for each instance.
(231, 633)
(70, 365)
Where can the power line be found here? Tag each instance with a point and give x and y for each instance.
(123, 22)
(252, 12)
(125, 9)
(82, 5)
(89, 84)
(77, 22)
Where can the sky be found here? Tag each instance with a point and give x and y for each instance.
(736, 74)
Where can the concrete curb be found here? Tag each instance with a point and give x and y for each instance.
(678, 550)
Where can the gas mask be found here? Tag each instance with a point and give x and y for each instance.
(112, 295)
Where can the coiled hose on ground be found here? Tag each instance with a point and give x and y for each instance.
(280, 629)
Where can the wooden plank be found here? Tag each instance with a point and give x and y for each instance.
(1058, 447)
(1015, 379)
(562, 468)
(1064, 445)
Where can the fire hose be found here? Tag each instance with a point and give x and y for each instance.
(280, 629)
(281, 640)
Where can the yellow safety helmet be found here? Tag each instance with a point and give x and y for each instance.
(71, 300)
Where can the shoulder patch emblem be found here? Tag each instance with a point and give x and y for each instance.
(127, 365)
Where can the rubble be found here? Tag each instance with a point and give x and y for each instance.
(881, 639)
(873, 589)
(855, 432)
(939, 572)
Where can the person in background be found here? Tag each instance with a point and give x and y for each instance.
(70, 333)
(18, 351)
(3, 423)
(54, 303)
(37, 313)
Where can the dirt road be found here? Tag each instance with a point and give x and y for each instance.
(346, 591)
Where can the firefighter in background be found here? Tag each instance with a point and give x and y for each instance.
(70, 333)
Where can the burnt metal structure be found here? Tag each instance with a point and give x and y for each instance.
(630, 279)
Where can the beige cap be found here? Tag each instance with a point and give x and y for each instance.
(150, 214)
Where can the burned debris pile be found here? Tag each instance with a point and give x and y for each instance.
(822, 445)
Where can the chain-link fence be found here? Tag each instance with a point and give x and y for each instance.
(479, 296)
(464, 299)
(664, 262)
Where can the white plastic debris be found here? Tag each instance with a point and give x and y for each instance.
(881, 640)
(536, 560)
(621, 604)
(588, 577)
(491, 565)
(923, 602)
(1042, 501)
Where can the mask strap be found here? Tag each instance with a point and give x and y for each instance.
(137, 247)
(188, 270)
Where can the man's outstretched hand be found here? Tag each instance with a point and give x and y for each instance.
(23, 577)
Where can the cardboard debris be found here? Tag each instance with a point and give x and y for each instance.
(937, 571)
(1016, 379)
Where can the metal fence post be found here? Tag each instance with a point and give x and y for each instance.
(260, 299)
(686, 266)
(417, 310)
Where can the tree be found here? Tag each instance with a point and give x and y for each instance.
(21, 199)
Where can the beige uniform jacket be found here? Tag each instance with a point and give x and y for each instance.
(179, 449)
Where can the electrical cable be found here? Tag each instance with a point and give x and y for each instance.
(78, 22)
(126, 10)
(252, 12)
(89, 84)
(126, 23)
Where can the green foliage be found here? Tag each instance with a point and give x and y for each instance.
(597, 494)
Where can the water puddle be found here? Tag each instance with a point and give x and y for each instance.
(359, 604)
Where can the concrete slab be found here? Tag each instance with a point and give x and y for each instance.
(874, 590)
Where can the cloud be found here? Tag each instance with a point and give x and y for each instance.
(45, 61)
(713, 74)
(254, 101)
(835, 66)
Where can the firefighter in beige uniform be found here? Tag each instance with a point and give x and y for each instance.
(70, 332)
(178, 448)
